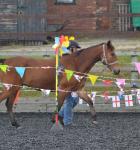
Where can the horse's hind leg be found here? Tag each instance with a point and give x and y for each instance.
(9, 104)
(87, 99)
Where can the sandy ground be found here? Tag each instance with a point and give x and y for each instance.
(115, 131)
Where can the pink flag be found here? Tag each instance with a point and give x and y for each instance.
(120, 81)
(138, 67)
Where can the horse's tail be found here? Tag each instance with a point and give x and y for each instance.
(2, 60)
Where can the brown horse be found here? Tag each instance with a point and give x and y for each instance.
(81, 61)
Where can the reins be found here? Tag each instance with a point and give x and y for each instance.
(104, 59)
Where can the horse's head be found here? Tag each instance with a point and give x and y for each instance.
(109, 57)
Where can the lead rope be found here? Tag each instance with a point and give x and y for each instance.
(104, 59)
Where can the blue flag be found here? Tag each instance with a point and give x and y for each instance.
(20, 71)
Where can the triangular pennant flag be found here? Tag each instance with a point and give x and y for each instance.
(46, 92)
(7, 86)
(93, 78)
(3, 68)
(69, 74)
(107, 82)
(20, 71)
(78, 77)
(120, 81)
(138, 67)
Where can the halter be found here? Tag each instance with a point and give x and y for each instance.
(104, 58)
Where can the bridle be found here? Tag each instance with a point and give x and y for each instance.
(104, 58)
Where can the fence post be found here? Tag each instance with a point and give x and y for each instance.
(134, 72)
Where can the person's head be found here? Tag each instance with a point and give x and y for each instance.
(73, 47)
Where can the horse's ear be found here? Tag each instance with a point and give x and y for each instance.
(109, 45)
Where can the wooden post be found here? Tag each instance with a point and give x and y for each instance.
(134, 72)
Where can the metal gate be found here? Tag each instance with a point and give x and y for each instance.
(124, 20)
(23, 20)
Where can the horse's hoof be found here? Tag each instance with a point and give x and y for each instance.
(15, 124)
(19, 127)
(95, 122)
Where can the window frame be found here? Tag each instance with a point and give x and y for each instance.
(65, 3)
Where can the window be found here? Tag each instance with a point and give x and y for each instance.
(65, 1)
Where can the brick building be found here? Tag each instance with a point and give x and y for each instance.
(35, 19)
(90, 16)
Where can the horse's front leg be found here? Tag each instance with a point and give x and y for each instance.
(83, 95)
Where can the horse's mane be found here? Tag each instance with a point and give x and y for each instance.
(77, 53)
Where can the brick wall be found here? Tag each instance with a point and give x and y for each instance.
(115, 11)
(84, 16)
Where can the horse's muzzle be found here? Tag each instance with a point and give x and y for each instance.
(116, 71)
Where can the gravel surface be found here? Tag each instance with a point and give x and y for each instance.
(115, 131)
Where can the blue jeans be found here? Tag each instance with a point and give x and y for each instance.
(66, 111)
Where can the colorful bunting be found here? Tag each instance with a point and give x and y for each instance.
(46, 92)
(78, 77)
(69, 74)
(115, 101)
(3, 68)
(7, 86)
(93, 78)
(20, 71)
(120, 82)
(138, 67)
(107, 82)
(128, 100)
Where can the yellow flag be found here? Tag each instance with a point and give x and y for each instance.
(72, 38)
(93, 78)
(69, 74)
(3, 68)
